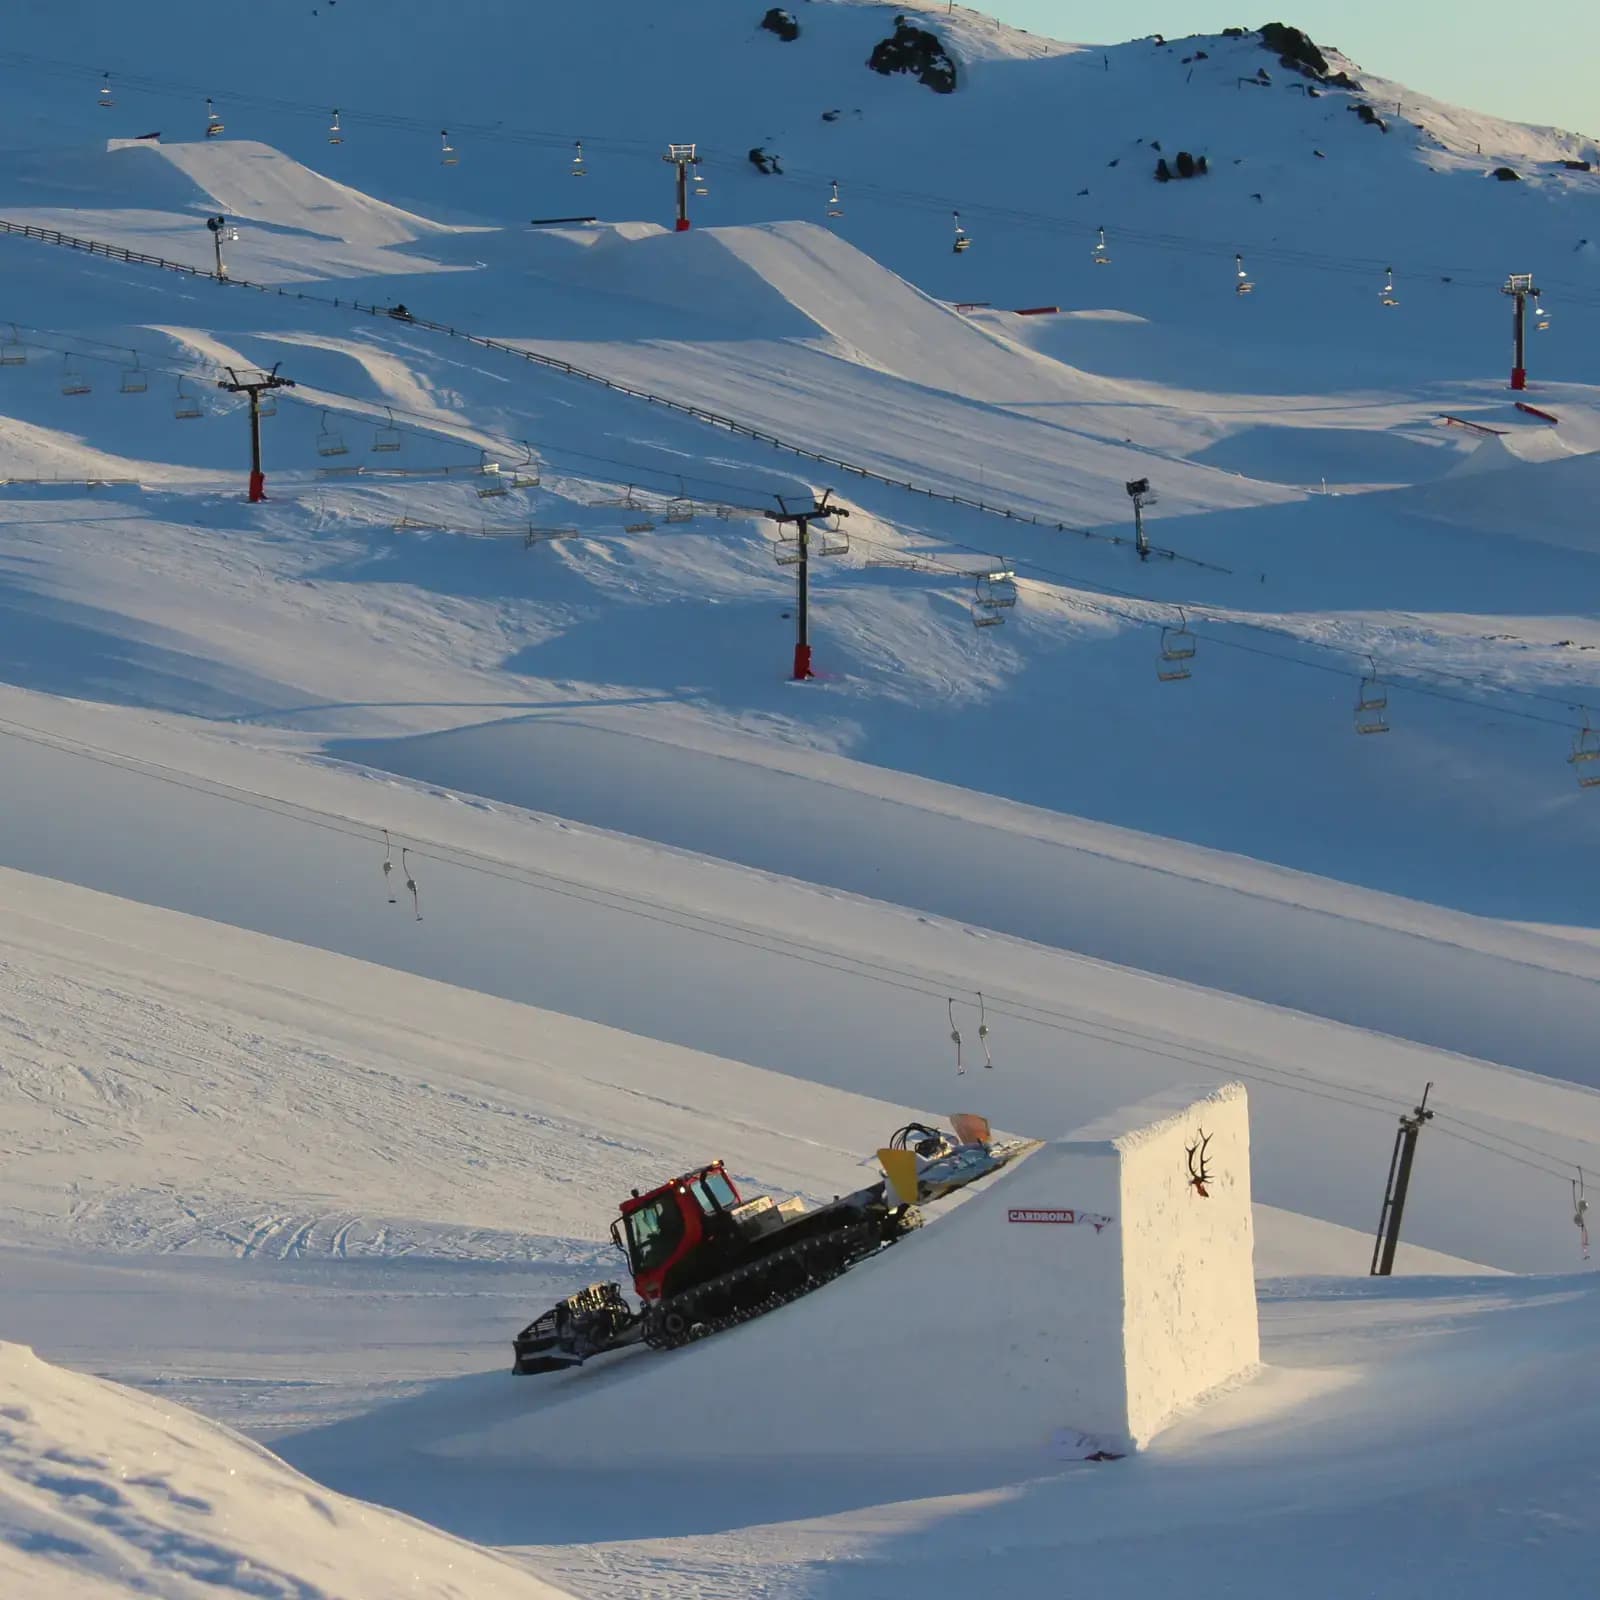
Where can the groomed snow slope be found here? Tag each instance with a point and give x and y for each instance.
(312, 1181)
(105, 1493)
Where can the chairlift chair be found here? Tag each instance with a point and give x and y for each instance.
(1178, 646)
(330, 442)
(13, 352)
(335, 132)
(525, 473)
(997, 589)
(386, 440)
(825, 541)
(1585, 753)
(700, 182)
(578, 168)
(106, 97)
(963, 241)
(1372, 700)
(187, 406)
(1102, 256)
(134, 378)
(72, 380)
(984, 615)
(266, 404)
(1386, 295)
(447, 153)
(1541, 317)
(835, 206)
(1242, 283)
(214, 124)
(786, 549)
(679, 511)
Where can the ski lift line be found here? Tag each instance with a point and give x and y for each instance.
(909, 980)
(426, 426)
(1416, 683)
(712, 418)
(1085, 600)
(643, 149)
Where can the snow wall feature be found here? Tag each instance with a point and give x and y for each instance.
(1088, 1290)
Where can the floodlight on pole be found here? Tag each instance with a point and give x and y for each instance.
(1140, 492)
(221, 229)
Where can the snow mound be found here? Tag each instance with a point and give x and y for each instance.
(247, 179)
(105, 1492)
(1549, 501)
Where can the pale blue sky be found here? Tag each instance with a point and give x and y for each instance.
(1534, 63)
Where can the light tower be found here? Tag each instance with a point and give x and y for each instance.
(1519, 286)
(1142, 495)
(221, 229)
(682, 156)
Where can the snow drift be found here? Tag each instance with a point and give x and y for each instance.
(104, 1492)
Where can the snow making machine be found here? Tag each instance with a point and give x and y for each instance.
(703, 1258)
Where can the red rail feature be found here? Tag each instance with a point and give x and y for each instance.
(1534, 411)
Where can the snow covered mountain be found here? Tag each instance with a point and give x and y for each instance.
(399, 870)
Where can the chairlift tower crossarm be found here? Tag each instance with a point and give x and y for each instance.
(255, 388)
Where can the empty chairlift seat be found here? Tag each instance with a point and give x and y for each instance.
(1178, 646)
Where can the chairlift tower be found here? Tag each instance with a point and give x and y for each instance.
(1142, 495)
(1520, 286)
(255, 388)
(1399, 1185)
(801, 561)
(682, 156)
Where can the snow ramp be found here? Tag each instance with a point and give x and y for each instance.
(797, 280)
(249, 180)
(1079, 1300)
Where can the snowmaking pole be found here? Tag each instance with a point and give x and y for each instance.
(801, 561)
(1394, 1198)
(1140, 493)
(219, 226)
(255, 388)
(1519, 286)
(682, 156)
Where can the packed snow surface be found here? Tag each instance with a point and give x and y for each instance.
(107, 1492)
(398, 871)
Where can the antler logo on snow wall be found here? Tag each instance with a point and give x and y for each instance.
(1057, 1214)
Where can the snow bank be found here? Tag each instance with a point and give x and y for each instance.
(105, 1492)
(1080, 1299)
